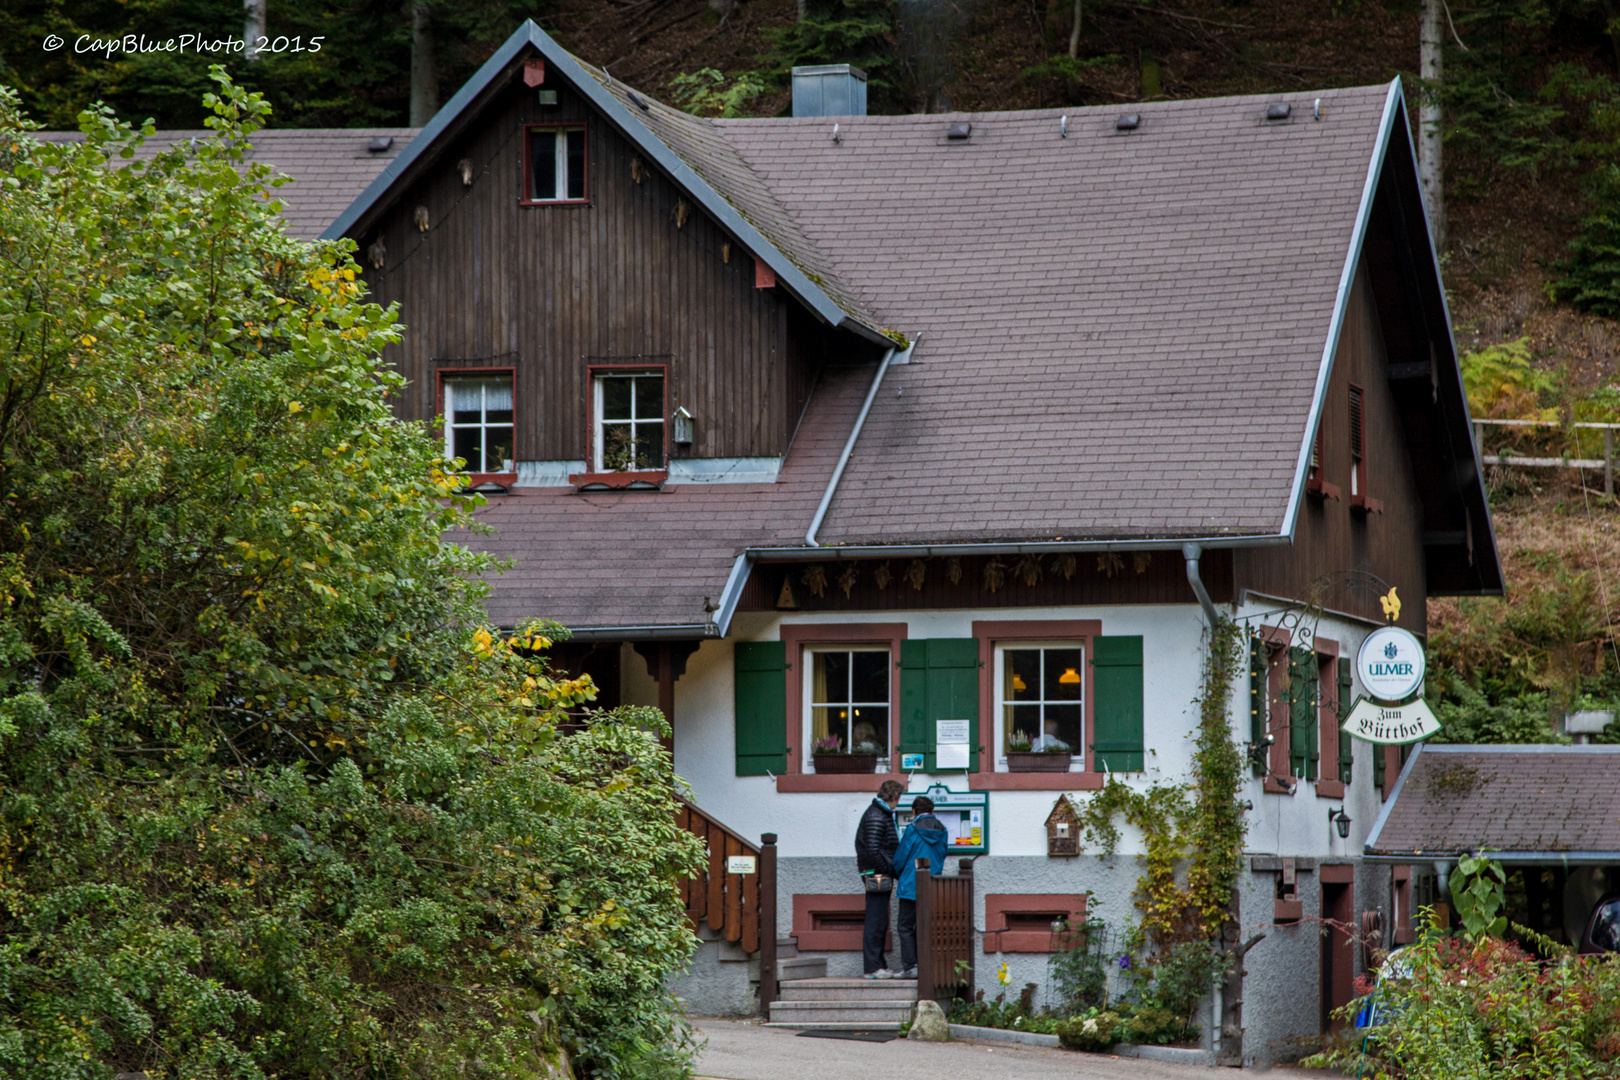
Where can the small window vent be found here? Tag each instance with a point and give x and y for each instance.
(1277, 111)
(547, 97)
(959, 131)
(1358, 425)
(381, 144)
(635, 99)
(1128, 122)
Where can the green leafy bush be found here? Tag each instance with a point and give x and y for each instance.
(1590, 277)
(1094, 1029)
(273, 803)
(1486, 1009)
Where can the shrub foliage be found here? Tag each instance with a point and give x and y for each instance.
(272, 802)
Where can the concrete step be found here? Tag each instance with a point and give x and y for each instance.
(800, 1013)
(851, 990)
(786, 947)
(801, 967)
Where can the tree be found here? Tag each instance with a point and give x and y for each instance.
(1431, 165)
(273, 801)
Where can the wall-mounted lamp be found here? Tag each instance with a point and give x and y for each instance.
(1260, 752)
(681, 428)
(1341, 821)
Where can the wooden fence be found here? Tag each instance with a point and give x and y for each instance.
(1606, 462)
(944, 933)
(737, 907)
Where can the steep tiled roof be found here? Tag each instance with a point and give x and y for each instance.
(649, 558)
(1454, 799)
(329, 166)
(1121, 332)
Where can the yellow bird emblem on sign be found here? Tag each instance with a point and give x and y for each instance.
(1392, 605)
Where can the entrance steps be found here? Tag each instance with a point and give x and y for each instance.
(843, 1004)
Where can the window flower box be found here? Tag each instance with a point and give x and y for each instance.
(1033, 761)
(844, 763)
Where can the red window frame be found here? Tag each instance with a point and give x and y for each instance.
(528, 177)
(999, 937)
(1328, 659)
(990, 634)
(594, 475)
(800, 638)
(1359, 499)
(475, 479)
(1314, 483)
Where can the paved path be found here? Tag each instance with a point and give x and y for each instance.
(744, 1050)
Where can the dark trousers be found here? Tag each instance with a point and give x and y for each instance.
(876, 929)
(908, 934)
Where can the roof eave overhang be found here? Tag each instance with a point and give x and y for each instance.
(488, 78)
(1034, 547)
(1394, 113)
(1544, 858)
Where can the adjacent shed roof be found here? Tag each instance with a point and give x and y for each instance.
(329, 167)
(1452, 800)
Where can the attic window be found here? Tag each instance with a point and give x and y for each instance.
(959, 131)
(1277, 111)
(1128, 122)
(1359, 499)
(554, 164)
(381, 144)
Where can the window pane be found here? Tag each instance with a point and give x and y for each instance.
(649, 446)
(1063, 681)
(871, 676)
(468, 444)
(871, 727)
(822, 724)
(650, 397)
(832, 677)
(576, 164)
(498, 448)
(497, 397)
(616, 398)
(543, 164)
(1021, 675)
(1063, 723)
(618, 454)
(1025, 719)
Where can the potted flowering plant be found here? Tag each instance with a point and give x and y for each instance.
(1023, 757)
(829, 756)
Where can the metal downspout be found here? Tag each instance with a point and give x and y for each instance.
(849, 448)
(1192, 553)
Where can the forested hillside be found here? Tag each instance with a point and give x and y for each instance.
(1530, 100)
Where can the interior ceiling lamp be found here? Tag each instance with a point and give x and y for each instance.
(1069, 677)
(1341, 821)
(1019, 683)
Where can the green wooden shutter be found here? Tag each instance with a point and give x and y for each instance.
(1378, 766)
(760, 672)
(1303, 714)
(1117, 675)
(939, 680)
(1347, 748)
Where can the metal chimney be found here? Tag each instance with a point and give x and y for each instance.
(829, 90)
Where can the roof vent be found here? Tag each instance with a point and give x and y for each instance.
(380, 144)
(1127, 122)
(635, 99)
(959, 130)
(1278, 111)
(829, 90)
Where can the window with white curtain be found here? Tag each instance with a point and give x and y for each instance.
(478, 422)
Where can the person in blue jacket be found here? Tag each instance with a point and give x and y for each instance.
(925, 839)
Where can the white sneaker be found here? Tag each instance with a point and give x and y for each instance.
(881, 973)
(909, 973)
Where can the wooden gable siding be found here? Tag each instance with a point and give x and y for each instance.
(1342, 558)
(1162, 581)
(552, 290)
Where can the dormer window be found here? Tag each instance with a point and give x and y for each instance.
(478, 425)
(629, 415)
(554, 164)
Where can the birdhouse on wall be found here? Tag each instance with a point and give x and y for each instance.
(1063, 829)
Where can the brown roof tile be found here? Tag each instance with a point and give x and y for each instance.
(1510, 799)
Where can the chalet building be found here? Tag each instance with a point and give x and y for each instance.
(944, 440)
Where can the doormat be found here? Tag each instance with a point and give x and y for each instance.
(857, 1036)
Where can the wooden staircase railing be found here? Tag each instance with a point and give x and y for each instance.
(739, 908)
